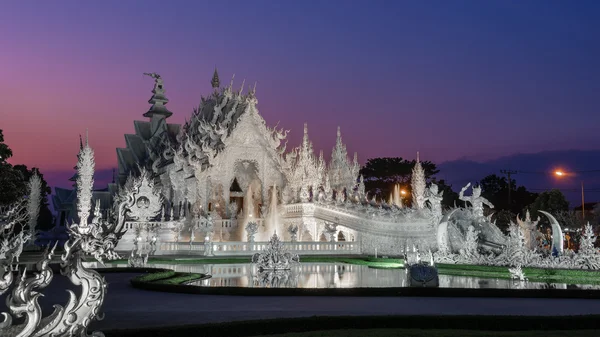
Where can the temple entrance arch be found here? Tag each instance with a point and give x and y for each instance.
(246, 175)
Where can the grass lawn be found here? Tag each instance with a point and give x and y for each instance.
(568, 276)
(438, 333)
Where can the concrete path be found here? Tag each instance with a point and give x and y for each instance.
(126, 307)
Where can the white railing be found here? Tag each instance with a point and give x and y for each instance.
(249, 248)
(170, 248)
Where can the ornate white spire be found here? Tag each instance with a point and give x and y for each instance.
(85, 183)
(158, 99)
(418, 185)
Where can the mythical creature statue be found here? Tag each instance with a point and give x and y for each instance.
(330, 230)
(251, 230)
(476, 200)
(435, 200)
(97, 239)
(530, 232)
(293, 230)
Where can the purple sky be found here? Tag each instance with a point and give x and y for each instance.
(451, 79)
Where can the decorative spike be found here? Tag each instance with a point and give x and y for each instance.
(215, 80)
(231, 83)
(242, 87)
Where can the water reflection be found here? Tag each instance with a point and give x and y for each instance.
(338, 275)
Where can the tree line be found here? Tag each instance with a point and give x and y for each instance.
(13, 185)
(382, 174)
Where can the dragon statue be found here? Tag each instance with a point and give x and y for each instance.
(97, 239)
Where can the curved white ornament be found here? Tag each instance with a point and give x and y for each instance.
(557, 234)
(442, 231)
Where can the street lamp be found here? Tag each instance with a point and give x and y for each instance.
(560, 173)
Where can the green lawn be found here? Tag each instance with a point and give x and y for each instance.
(167, 277)
(438, 333)
(533, 274)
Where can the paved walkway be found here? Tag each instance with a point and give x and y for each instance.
(126, 307)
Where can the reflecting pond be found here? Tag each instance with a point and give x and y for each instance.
(336, 275)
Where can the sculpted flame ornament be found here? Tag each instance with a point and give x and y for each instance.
(148, 202)
(97, 239)
(275, 257)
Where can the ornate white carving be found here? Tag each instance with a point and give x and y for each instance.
(275, 256)
(33, 204)
(251, 230)
(418, 185)
(149, 202)
(476, 200)
(95, 239)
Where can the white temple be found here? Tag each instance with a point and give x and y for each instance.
(225, 161)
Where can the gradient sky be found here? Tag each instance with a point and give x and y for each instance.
(452, 79)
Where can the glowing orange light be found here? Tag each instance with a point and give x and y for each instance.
(559, 173)
(403, 191)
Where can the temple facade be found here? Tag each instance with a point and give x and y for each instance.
(227, 162)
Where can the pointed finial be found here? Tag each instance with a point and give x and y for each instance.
(231, 83)
(80, 143)
(305, 128)
(242, 87)
(215, 80)
(339, 132)
(417, 156)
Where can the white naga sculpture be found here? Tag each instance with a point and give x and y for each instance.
(476, 200)
(97, 239)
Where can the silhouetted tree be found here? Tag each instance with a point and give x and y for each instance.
(495, 189)
(13, 185)
(5, 151)
(381, 174)
(553, 202)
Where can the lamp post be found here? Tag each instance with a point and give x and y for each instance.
(562, 174)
